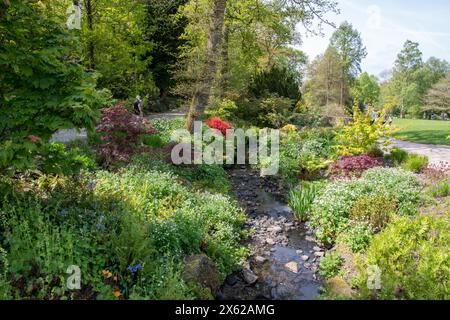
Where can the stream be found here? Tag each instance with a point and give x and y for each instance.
(285, 256)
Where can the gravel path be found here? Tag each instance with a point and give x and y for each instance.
(66, 136)
(436, 153)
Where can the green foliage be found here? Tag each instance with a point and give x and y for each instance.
(367, 89)
(360, 135)
(413, 256)
(278, 80)
(415, 163)
(375, 211)
(225, 109)
(163, 27)
(441, 189)
(43, 87)
(304, 155)
(330, 264)
(301, 198)
(55, 158)
(357, 237)
(105, 223)
(398, 156)
(165, 127)
(332, 208)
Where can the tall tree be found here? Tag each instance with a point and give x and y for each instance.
(437, 99)
(202, 93)
(324, 87)
(163, 28)
(349, 45)
(366, 88)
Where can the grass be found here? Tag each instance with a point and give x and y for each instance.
(423, 131)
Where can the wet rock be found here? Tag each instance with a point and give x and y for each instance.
(231, 280)
(249, 276)
(201, 270)
(270, 241)
(305, 258)
(316, 248)
(299, 252)
(292, 266)
(260, 259)
(309, 239)
(319, 253)
(275, 229)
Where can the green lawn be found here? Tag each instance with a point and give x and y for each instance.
(423, 131)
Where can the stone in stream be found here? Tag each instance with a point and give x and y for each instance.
(275, 229)
(319, 253)
(270, 241)
(305, 258)
(260, 259)
(292, 266)
(316, 248)
(299, 252)
(249, 276)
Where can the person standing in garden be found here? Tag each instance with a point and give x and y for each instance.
(138, 106)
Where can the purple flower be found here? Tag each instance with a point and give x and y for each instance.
(64, 212)
(135, 268)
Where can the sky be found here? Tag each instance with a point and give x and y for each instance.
(385, 25)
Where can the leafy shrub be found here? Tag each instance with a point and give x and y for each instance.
(353, 166)
(43, 88)
(375, 151)
(330, 264)
(56, 159)
(360, 135)
(304, 154)
(121, 131)
(375, 210)
(331, 210)
(357, 236)
(398, 156)
(398, 185)
(217, 123)
(165, 127)
(413, 255)
(278, 80)
(415, 163)
(225, 109)
(301, 198)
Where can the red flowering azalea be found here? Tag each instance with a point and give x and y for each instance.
(217, 123)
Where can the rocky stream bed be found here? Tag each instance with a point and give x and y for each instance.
(285, 258)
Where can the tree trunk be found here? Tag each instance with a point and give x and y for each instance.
(225, 62)
(90, 23)
(342, 89)
(202, 93)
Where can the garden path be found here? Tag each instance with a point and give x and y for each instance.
(435, 153)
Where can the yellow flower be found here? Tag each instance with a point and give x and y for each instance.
(107, 274)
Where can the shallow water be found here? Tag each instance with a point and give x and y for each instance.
(275, 281)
